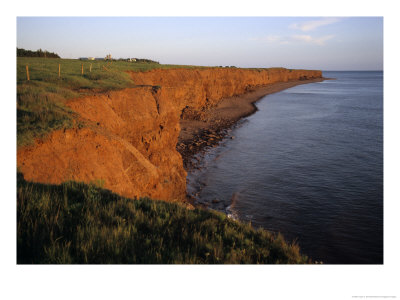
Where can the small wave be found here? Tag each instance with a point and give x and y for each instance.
(230, 210)
(231, 214)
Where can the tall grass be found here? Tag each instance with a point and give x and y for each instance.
(75, 223)
(41, 109)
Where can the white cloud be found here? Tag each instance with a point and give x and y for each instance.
(312, 25)
(313, 40)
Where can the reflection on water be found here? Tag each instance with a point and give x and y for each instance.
(308, 164)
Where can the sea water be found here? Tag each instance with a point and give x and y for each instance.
(308, 164)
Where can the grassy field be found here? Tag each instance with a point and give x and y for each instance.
(79, 223)
(41, 100)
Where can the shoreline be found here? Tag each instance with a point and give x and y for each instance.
(196, 135)
(129, 137)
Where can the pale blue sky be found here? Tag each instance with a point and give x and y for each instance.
(345, 43)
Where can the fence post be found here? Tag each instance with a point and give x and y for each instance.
(27, 72)
(82, 68)
(59, 70)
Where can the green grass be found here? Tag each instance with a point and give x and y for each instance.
(41, 101)
(46, 70)
(76, 223)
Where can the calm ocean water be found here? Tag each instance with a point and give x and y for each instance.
(308, 164)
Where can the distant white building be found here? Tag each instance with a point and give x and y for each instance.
(90, 58)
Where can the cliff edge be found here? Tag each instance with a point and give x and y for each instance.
(129, 141)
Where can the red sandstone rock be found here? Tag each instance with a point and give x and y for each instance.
(131, 145)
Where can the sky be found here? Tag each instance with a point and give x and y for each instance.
(325, 43)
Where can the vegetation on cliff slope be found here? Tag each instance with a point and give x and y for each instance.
(41, 100)
(80, 223)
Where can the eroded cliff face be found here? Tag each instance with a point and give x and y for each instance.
(130, 141)
(129, 144)
(195, 91)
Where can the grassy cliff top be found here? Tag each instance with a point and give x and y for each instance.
(80, 223)
(41, 100)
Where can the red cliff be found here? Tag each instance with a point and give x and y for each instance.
(130, 140)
